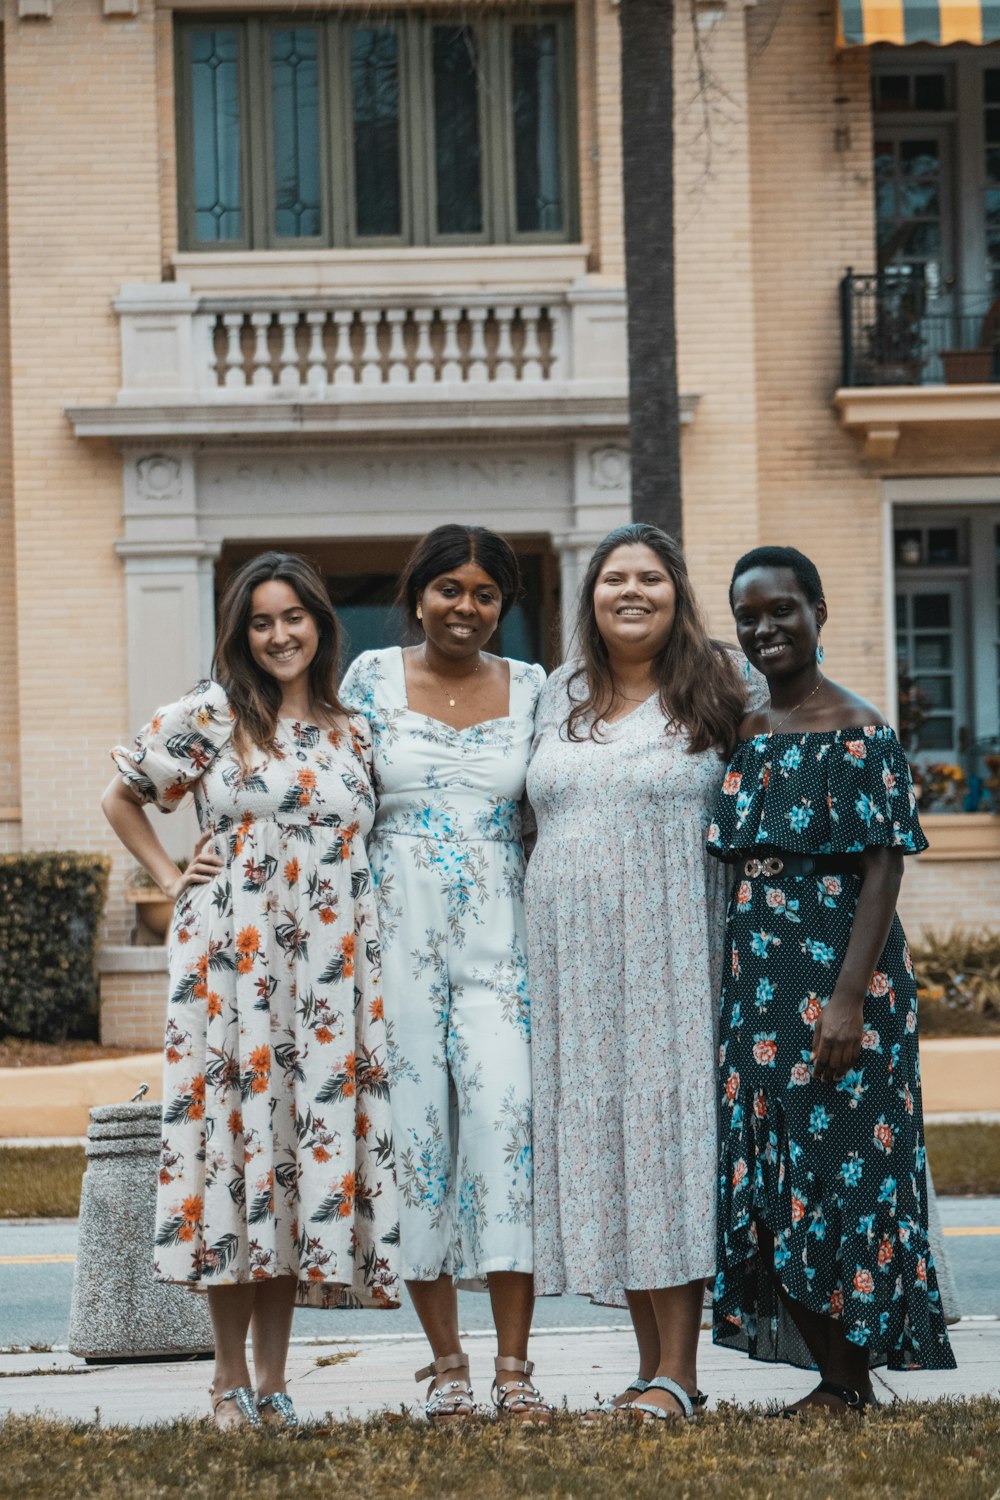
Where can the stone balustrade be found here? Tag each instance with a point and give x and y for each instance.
(180, 348)
(302, 348)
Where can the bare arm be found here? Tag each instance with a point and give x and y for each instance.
(127, 815)
(837, 1038)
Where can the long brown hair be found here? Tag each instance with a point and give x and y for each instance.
(700, 689)
(254, 696)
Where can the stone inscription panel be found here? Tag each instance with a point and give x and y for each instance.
(356, 488)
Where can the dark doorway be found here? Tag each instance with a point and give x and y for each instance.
(362, 575)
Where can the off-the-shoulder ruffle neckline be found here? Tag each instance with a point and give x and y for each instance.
(815, 734)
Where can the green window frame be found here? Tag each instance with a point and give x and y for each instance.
(310, 102)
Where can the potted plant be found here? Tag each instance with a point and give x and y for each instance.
(967, 366)
(153, 910)
(944, 786)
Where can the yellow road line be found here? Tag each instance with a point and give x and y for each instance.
(956, 1231)
(37, 1260)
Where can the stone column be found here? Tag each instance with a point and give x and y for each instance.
(574, 551)
(170, 620)
(601, 499)
(169, 602)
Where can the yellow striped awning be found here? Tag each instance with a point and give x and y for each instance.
(860, 23)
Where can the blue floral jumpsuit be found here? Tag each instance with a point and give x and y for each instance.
(448, 864)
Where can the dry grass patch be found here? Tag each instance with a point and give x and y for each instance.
(41, 1182)
(921, 1452)
(44, 1182)
(965, 1159)
(16, 1052)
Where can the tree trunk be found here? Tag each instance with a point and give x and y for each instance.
(648, 180)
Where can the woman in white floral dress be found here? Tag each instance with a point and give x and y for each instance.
(451, 729)
(276, 1181)
(625, 919)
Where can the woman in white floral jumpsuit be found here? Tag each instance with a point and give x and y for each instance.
(451, 730)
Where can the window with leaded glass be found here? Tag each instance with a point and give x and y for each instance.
(376, 129)
(991, 202)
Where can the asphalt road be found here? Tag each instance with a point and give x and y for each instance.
(37, 1263)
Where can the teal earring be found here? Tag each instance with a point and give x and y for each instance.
(746, 668)
(820, 653)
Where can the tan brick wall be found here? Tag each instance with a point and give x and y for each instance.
(10, 782)
(949, 893)
(83, 218)
(715, 308)
(133, 1010)
(609, 237)
(812, 218)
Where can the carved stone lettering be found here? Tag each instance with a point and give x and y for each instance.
(414, 481)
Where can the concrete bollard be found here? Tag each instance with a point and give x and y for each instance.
(119, 1312)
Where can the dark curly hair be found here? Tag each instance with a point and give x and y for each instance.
(805, 570)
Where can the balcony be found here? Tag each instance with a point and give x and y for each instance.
(231, 359)
(915, 357)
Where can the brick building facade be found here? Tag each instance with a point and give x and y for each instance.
(184, 378)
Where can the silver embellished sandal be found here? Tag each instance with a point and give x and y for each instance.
(643, 1411)
(517, 1400)
(453, 1401)
(596, 1415)
(242, 1397)
(278, 1412)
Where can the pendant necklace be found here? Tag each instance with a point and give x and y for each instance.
(448, 692)
(771, 724)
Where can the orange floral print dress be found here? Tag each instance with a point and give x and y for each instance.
(277, 1144)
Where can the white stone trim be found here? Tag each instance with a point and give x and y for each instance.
(119, 958)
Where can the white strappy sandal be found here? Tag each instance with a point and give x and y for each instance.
(517, 1400)
(453, 1401)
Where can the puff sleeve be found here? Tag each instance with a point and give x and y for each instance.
(177, 746)
(357, 691)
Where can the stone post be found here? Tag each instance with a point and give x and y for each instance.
(119, 1312)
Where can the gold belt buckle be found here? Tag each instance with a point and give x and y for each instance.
(769, 866)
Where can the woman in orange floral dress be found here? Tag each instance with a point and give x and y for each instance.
(276, 1180)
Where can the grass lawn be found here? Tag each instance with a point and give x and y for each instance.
(41, 1182)
(965, 1159)
(44, 1182)
(922, 1452)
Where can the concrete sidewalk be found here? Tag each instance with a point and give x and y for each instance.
(374, 1373)
(959, 1074)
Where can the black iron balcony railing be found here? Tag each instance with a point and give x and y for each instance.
(899, 331)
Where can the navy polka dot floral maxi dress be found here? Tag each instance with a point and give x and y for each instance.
(834, 1173)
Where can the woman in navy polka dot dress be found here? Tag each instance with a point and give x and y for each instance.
(823, 1254)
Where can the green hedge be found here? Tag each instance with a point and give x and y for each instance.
(50, 917)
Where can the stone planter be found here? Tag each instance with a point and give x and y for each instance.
(119, 1312)
(153, 911)
(967, 366)
(958, 835)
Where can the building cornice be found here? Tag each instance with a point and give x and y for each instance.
(405, 415)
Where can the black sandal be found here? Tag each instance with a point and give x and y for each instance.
(853, 1400)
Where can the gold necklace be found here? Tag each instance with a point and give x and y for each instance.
(449, 691)
(771, 724)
